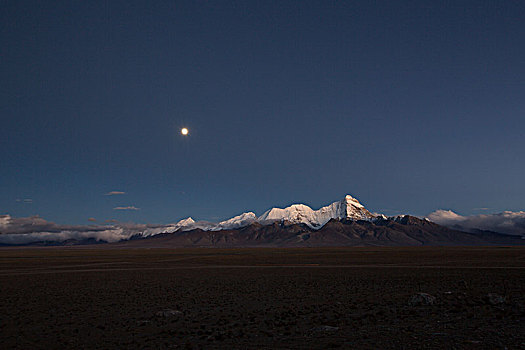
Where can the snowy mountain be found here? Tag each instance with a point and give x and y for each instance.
(189, 224)
(343, 223)
(395, 231)
(236, 222)
(179, 226)
(348, 208)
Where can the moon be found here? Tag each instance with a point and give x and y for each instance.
(184, 131)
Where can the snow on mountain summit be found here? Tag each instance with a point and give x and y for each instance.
(182, 225)
(348, 208)
(185, 222)
(188, 224)
(242, 220)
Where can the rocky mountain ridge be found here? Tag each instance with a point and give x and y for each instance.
(399, 231)
(348, 208)
(343, 223)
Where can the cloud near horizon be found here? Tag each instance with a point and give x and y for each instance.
(27, 200)
(506, 222)
(36, 229)
(126, 208)
(114, 193)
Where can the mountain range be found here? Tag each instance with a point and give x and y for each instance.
(343, 223)
(348, 208)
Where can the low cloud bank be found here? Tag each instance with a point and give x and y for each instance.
(507, 222)
(36, 229)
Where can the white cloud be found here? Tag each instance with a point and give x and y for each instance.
(36, 229)
(27, 200)
(126, 208)
(114, 193)
(506, 222)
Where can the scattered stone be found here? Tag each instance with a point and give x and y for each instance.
(324, 329)
(495, 299)
(421, 299)
(168, 313)
(518, 308)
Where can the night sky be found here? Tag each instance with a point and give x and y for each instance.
(410, 106)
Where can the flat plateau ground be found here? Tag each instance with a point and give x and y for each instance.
(308, 298)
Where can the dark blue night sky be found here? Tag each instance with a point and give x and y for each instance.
(410, 106)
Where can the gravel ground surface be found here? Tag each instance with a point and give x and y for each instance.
(371, 298)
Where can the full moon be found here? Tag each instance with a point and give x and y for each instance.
(184, 131)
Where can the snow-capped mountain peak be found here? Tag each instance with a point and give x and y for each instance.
(295, 213)
(242, 220)
(355, 210)
(348, 208)
(182, 225)
(352, 201)
(185, 222)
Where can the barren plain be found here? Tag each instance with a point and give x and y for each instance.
(295, 298)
